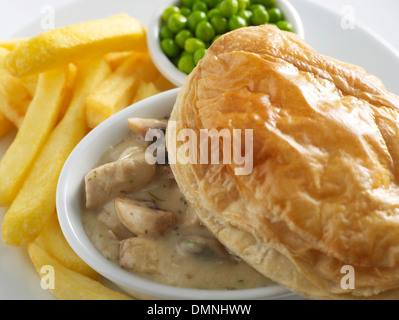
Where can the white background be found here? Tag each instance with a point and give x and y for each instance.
(381, 16)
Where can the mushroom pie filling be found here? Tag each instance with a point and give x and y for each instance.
(137, 217)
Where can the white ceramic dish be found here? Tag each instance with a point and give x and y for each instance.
(163, 63)
(69, 206)
(18, 278)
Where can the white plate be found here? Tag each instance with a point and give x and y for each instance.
(18, 279)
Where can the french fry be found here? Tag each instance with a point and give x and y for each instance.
(82, 41)
(145, 90)
(30, 83)
(14, 96)
(3, 54)
(11, 44)
(5, 125)
(147, 71)
(114, 93)
(163, 84)
(39, 121)
(118, 90)
(70, 86)
(68, 284)
(52, 240)
(115, 59)
(35, 202)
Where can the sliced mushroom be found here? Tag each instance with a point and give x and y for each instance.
(157, 149)
(142, 220)
(131, 151)
(140, 126)
(117, 178)
(201, 247)
(141, 254)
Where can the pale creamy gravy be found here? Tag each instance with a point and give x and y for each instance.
(175, 267)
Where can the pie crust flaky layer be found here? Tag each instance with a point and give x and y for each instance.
(324, 188)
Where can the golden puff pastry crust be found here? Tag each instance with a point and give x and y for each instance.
(324, 190)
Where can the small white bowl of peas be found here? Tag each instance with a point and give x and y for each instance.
(180, 31)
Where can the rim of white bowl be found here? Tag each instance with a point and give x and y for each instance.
(168, 69)
(69, 213)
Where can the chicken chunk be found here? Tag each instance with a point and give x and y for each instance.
(140, 254)
(111, 220)
(117, 178)
(142, 220)
(166, 171)
(102, 237)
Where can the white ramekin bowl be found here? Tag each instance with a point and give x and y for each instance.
(70, 202)
(168, 69)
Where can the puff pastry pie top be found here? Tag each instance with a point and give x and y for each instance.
(324, 190)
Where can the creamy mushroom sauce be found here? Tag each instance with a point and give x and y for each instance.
(187, 255)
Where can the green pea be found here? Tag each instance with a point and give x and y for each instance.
(211, 3)
(200, 6)
(185, 11)
(168, 12)
(198, 55)
(285, 25)
(246, 14)
(217, 37)
(266, 3)
(187, 3)
(170, 48)
(193, 44)
(166, 33)
(186, 63)
(214, 12)
(228, 7)
(194, 18)
(185, 53)
(257, 6)
(204, 31)
(236, 22)
(182, 36)
(275, 15)
(177, 22)
(243, 4)
(220, 24)
(259, 17)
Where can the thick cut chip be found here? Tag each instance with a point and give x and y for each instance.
(82, 41)
(14, 95)
(53, 241)
(11, 44)
(115, 59)
(68, 284)
(14, 98)
(145, 90)
(5, 125)
(163, 84)
(30, 83)
(40, 120)
(119, 89)
(35, 202)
